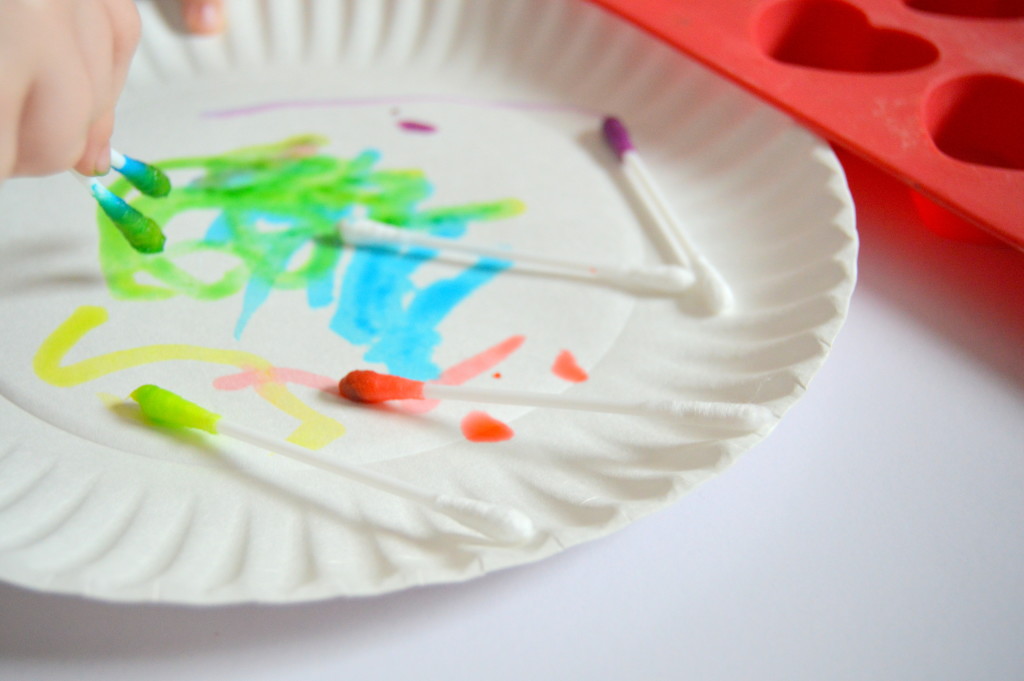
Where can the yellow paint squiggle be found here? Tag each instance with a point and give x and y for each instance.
(315, 430)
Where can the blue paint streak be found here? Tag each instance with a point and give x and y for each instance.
(219, 232)
(378, 305)
(275, 250)
(372, 290)
(320, 291)
(448, 229)
(382, 309)
(257, 290)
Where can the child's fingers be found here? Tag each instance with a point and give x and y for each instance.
(10, 114)
(95, 160)
(124, 19)
(73, 59)
(18, 49)
(56, 117)
(203, 16)
(91, 30)
(12, 102)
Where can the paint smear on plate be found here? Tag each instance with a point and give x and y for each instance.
(567, 368)
(455, 375)
(478, 426)
(276, 207)
(315, 430)
(417, 126)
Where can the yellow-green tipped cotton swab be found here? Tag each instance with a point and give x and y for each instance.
(500, 523)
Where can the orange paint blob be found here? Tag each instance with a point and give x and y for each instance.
(478, 426)
(565, 367)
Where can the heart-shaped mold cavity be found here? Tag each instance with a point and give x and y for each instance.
(981, 9)
(950, 225)
(978, 119)
(834, 35)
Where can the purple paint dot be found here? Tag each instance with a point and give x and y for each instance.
(416, 126)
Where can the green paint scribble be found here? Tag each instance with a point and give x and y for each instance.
(276, 207)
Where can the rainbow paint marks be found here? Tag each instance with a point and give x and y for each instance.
(314, 431)
(567, 368)
(277, 206)
(457, 374)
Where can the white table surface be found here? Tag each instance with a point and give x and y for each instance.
(877, 534)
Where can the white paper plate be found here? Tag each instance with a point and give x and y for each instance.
(490, 99)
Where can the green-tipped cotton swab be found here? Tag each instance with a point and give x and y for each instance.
(500, 523)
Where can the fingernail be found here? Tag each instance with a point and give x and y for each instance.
(101, 163)
(204, 17)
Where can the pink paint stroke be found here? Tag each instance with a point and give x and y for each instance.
(455, 375)
(567, 368)
(256, 377)
(416, 126)
(459, 373)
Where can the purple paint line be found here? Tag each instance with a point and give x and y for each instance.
(416, 126)
(279, 105)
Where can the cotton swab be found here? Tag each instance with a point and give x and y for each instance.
(503, 524)
(148, 179)
(371, 387)
(142, 233)
(667, 279)
(717, 293)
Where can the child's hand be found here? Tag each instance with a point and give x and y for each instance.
(203, 16)
(63, 64)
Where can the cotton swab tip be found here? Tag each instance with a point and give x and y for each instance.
(671, 279)
(148, 179)
(617, 137)
(167, 408)
(144, 235)
(506, 525)
(718, 295)
(732, 415)
(501, 523)
(370, 387)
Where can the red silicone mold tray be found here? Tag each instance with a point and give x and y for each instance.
(930, 90)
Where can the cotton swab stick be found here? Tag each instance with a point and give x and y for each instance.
(669, 279)
(717, 293)
(371, 387)
(501, 523)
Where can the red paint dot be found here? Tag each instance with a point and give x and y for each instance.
(480, 427)
(567, 368)
(497, 374)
